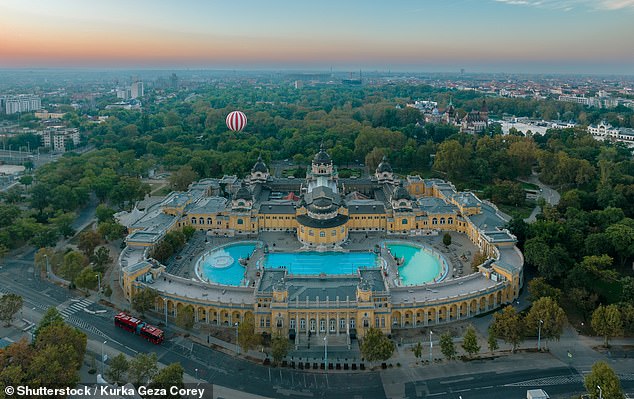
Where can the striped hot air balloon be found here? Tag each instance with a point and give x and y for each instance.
(236, 121)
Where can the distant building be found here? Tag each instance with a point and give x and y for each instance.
(49, 115)
(59, 138)
(600, 102)
(605, 132)
(476, 121)
(299, 84)
(136, 90)
(22, 103)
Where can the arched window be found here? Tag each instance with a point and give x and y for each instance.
(208, 220)
(240, 221)
(201, 221)
(404, 221)
(434, 221)
(193, 220)
(442, 220)
(322, 234)
(450, 221)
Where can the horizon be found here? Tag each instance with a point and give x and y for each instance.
(580, 37)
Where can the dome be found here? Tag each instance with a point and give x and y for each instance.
(260, 166)
(243, 194)
(400, 193)
(384, 166)
(322, 156)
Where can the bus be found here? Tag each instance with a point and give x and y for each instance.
(139, 327)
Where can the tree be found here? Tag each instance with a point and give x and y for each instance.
(492, 341)
(539, 288)
(144, 300)
(104, 214)
(74, 263)
(185, 317)
(376, 346)
(453, 158)
(188, 232)
(117, 368)
(279, 348)
(621, 238)
(107, 291)
(446, 239)
(87, 279)
(167, 377)
(51, 317)
(418, 351)
(182, 178)
(603, 376)
(110, 231)
(101, 258)
(447, 346)
(4, 251)
(507, 325)
(10, 304)
(63, 336)
(88, 241)
(606, 321)
(143, 367)
(247, 338)
(478, 259)
(549, 315)
(470, 342)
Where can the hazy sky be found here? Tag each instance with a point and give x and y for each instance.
(593, 36)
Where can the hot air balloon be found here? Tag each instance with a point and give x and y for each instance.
(236, 121)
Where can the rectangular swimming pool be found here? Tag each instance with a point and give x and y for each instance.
(311, 263)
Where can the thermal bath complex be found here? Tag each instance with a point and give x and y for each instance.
(325, 255)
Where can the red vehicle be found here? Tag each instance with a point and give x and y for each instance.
(138, 326)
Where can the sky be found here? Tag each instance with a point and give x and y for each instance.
(533, 36)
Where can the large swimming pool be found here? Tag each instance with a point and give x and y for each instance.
(420, 265)
(223, 266)
(318, 262)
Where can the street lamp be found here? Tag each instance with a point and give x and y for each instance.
(47, 266)
(326, 352)
(98, 284)
(103, 361)
(165, 308)
(600, 392)
(539, 335)
(430, 346)
(237, 345)
(196, 373)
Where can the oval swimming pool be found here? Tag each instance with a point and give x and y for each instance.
(420, 265)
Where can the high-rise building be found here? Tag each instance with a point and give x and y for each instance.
(21, 103)
(136, 89)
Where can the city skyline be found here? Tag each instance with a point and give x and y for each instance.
(516, 36)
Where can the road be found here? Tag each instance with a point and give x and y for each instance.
(551, 196)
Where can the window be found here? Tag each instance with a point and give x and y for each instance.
(382, 321)
(261, 321)
(404, 221)
(240, 221)
(302, 324)
(342, 229)
(352, 323)
(376, 322)
(333, 325)
(342, 325)
(292, 324)
(442, 220)
(322, 234)
(311, 233)
(434, 221)
(268, 322)
(201, 221)
(208, 220)
(280, 323)
(193, 220)
(322, 325)
(313, 324)
(333, 233)
(450, 221)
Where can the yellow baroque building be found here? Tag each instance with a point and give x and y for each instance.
(323, 211)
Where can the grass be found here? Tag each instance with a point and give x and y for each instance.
(521, 212)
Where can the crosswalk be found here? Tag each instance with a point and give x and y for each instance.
(77, 322)
(74, 307)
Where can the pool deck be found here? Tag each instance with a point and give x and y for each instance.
(458, 254)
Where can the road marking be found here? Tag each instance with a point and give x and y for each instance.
(459, 380)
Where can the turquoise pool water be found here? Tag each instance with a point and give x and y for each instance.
(420, 267)
(222, 266)
(318, 262)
